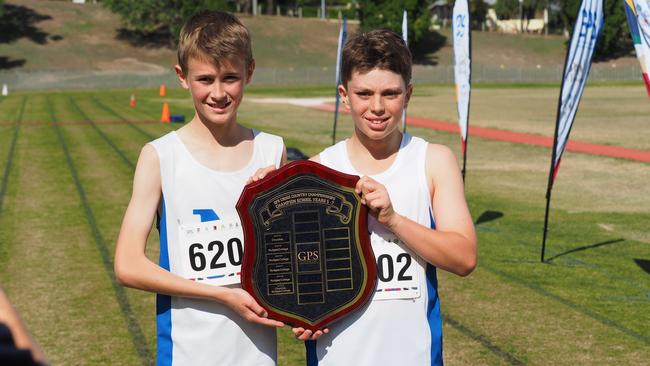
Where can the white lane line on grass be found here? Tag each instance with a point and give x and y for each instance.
(10, 155)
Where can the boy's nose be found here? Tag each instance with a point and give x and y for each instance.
(377, 105)
(218, 92)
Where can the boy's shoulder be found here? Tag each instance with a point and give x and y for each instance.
(154, 151)
(331, 153)
(163, 141)
(434, 151)
(266, 137)
(439, 152)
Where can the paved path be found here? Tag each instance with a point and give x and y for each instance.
(521, 138)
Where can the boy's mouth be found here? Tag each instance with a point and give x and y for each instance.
(377, 123)
(220, 106)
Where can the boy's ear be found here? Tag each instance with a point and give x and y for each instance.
(343, 93)
(409, 92)
(249, 72)
(181, 76)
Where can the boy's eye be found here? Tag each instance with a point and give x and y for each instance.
(363, 94)
(205, 80)
(231, 78)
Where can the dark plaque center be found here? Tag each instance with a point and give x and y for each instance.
(310, 260)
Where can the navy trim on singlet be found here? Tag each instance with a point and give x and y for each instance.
(433, 309)
(163, 302)
(312, 357)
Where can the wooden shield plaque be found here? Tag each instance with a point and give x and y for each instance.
(307, 254)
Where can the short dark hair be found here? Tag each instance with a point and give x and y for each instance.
(215, 36)
(379, 48)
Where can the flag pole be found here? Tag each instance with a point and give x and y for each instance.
(342, 36)
(464, 158)
(552, 170)
(336, 116)
(549, 188)
(548, 206)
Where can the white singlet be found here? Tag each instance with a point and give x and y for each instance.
(195, 197)
(402, 324)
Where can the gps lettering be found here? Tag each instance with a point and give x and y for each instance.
(308, 256)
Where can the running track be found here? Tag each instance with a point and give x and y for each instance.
(522, 138)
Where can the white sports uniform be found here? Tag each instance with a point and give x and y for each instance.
(402, 324)
(193, 331)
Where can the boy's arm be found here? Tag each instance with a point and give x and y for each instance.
(21, 337)
(452, 245)
(134, 269)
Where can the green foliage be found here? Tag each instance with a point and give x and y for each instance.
(615, 37)
(388, 14)
(507, 9)
(478, 10)
(161, 17)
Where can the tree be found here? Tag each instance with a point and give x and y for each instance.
(477, 12)
(388, 14)
(163, 18)
(507, 9)
(614, 39)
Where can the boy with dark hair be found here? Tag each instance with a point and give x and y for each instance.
(419, 218)
(191, 180)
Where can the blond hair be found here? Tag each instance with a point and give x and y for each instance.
(214, 36)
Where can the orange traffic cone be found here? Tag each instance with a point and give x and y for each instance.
(132, 101)
(164, 118)
(162, 90)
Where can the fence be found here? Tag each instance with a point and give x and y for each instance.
(440, 74)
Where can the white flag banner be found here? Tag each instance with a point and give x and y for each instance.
(405, 37)
(462, 65)
(339, 53)
(576, 72)
(643, 48)
(342, 35)
(405, 27)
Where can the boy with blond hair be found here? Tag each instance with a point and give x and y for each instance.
(190, 180)
(419, 218)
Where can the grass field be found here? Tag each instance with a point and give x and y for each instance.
(66, 164)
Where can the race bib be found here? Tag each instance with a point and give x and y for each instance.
(212, 251)
(397, 274)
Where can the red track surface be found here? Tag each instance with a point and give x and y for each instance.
(523, 138)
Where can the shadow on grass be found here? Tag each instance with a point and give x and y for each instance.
(18, 22)
(7, 63)
(487, 216)
(586, 247)
(424, 50)
(154, 39)
(644, 264)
